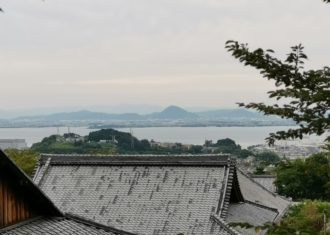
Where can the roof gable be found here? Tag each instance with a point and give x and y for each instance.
(20, 198)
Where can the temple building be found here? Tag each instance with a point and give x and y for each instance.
(158, 194)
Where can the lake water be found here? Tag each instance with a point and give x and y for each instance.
(245, 136)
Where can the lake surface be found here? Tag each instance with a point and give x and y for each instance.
(245, 136)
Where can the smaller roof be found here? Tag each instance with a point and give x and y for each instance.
(258, 194)
(25, 186)
(65, 225)
(251, 213)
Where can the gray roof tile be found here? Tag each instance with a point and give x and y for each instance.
(154, 194)
(255, 192)
(266, 181)
(140, 199)
(250, 213)
(55, 225)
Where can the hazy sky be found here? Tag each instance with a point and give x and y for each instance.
(109, 52)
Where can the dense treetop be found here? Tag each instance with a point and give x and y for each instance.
(306, 92)
(305, 178)
(309, 217)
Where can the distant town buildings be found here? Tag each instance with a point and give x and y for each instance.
(12, 144)
(288, 151)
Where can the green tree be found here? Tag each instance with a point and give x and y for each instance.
(244, 153)
(268, 157)
(24, 159)
(125, 141)
(260, 170)
(306, 93)
(305, 218)
(229, 146)
(304, 178)
(58, 144)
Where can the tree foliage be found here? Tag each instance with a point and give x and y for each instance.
(309, 217)
(306, 93)
(58, 144)
(24, 159)
(305, 179)
(228, 145)
(125, 142)
(268, 157)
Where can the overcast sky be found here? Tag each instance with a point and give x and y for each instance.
(107, 52)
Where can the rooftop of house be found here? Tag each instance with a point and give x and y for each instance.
(25, 209)
(157, 194)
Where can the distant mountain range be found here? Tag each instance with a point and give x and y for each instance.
(169, 117)
(172, 112)
(169, 113)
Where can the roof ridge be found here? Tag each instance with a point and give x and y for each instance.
(94, 224)
(262, 206)
(133, 155)
(223, 193)
(262, 176)
(230, 171)
(35, 169)
(137, 159)
(41, 171)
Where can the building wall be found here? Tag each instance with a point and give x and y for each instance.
(13, 207)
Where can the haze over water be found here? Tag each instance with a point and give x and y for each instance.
(245, 136)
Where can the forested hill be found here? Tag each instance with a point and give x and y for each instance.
(105, 141)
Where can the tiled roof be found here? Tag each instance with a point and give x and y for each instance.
(255, 192)
(58, 225)
(265, 180)
(141, 194)
(250, 213)
(152, 194)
